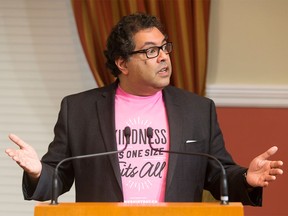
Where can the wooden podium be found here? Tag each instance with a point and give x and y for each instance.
(125, 209)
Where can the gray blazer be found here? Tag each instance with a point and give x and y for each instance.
(86, 125)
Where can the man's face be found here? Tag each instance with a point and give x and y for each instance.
(143, 76)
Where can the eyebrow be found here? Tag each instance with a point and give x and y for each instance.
(152, 43)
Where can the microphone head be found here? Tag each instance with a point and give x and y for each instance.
(149, 132)
(127, 134)
(127, 131)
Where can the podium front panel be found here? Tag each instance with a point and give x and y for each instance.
(125, 209)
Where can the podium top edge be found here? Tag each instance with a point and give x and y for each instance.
(163, 204)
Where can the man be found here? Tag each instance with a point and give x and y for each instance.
(93, 121)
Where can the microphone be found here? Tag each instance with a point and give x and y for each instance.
(54, 199)
(224, 199)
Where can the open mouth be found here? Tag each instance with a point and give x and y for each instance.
(163, 70)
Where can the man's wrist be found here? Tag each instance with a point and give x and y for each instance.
(248, 186)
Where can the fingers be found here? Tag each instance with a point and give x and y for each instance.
(276, 172)
(270, 178)
(17, 154)
(266, 179)
(26, 157)
(275, 168)
(263, 171)
(27, 161)
(271, 151)
(14, 154)
(17, 141)
(10, 152)
(276, 164)
(273, 172)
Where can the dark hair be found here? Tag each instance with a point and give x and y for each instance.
(120, 41)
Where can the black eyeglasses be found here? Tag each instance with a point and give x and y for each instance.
(154, 51)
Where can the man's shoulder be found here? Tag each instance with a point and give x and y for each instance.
(187, 101)
(94, 93)
(183, 95)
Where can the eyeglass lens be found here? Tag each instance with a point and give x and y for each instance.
(154, 51)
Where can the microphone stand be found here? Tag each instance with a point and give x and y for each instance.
(54, 199)
(224, 199)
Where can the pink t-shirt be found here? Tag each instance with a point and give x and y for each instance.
(143, 171)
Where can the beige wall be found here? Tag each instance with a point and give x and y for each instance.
(41, 61)
(248, 43)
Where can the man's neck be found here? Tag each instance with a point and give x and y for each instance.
(138, 91)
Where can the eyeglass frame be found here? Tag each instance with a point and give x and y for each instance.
(159, 47)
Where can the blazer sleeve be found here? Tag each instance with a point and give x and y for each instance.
(238, 189)
(57, 151)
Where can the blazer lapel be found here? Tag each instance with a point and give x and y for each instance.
(175, 129)
(106, 114)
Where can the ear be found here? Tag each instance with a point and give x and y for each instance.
(122, 65)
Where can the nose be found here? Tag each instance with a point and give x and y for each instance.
(163, 56)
